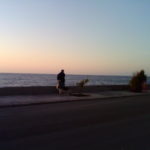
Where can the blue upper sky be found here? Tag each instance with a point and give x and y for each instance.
(81, 36)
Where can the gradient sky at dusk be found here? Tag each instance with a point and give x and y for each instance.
(108, 37)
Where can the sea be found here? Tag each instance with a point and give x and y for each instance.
(24, 80)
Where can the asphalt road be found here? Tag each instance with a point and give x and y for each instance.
(104, 124)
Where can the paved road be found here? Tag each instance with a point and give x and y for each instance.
(118, 123)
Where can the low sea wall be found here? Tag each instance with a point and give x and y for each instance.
(43, 90)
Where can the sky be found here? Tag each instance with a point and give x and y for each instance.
(98, 37)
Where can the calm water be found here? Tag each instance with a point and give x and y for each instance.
(20, 80)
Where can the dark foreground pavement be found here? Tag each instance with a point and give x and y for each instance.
(118, 123)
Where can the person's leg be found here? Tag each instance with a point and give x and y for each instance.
(60, 91)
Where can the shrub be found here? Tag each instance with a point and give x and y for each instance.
(137, 81)
(82, 82)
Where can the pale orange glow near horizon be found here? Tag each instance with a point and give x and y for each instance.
(32, 59)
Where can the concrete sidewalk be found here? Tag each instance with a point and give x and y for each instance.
(6, 101)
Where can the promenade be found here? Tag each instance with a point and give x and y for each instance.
(6, 101)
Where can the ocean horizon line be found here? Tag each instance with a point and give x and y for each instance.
(119, 75)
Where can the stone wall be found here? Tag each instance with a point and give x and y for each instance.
(35, 90)
(44, 90)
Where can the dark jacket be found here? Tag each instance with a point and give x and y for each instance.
(61, 77)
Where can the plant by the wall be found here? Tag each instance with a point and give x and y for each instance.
(138, 80)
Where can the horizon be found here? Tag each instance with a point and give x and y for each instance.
(84, 37)
(73, 74)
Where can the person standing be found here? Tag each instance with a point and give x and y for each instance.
(61, 80)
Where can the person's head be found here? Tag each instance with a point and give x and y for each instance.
(62, 70)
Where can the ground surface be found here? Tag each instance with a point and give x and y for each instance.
(115, 123)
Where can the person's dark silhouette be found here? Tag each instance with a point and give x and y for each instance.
(61, 79)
